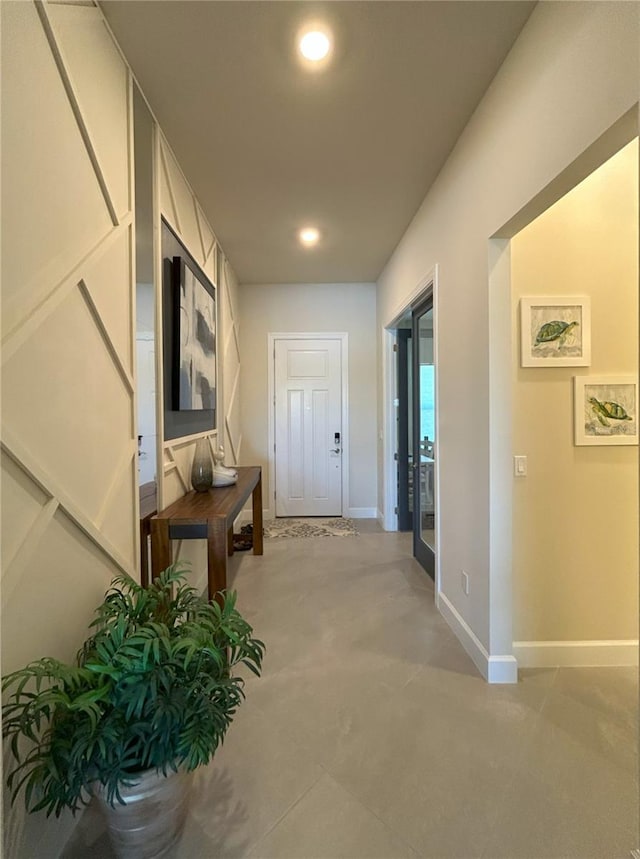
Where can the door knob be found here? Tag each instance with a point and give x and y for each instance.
(336, 450)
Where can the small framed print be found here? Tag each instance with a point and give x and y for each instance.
(605, 410)
(555, 331)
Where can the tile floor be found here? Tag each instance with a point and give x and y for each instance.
(371, 734)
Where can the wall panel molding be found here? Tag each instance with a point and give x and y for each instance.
(65, 75)
(68, 360)
(41, 300)
(27, 463)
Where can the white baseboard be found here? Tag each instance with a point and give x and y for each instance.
(495, 669)
(362, 512)
(246, 515)
(352, 512)
(576, 654)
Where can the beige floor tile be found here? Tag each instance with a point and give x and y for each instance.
(371, 732)
(256, 776)
(435, 765)
(566, 804)
(329, 822)
(577, 791)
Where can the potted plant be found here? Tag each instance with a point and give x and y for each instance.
(149, 700)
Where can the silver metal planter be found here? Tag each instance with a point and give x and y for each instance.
(151, 821)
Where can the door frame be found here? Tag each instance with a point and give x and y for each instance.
(272, 336)
(422, 551)
(428, 283)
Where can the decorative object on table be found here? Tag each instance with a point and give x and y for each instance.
(331, 527)
(202, 467)
(194, 369)
(555, 331)
(605, 410)
(223, 476)
(150, 699)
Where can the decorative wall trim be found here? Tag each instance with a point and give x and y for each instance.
(128, 460)
(235, 452)
(106, 337)
(495, 669)
(16, 566)
(196, 212)
(173, 215)
(185, 440)
(230, 387)
(173, 465)
(36, 310)
(25, 461)
(576, 654)
(65, 76)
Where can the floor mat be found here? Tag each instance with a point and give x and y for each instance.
(333, 527)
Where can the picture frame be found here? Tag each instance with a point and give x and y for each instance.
(194, 377)
(605, 410)
(555, 331)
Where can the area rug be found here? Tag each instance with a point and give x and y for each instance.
(334, 527)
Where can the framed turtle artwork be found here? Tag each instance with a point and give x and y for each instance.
(555, 331)
(605, 410)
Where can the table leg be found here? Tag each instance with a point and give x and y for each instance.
(216, 556)
(160, 546)
(230, 541)
(145, 533)
(257, 518)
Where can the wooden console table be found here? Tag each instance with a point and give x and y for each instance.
(210, 516)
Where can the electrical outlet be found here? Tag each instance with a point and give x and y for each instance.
(464, 581)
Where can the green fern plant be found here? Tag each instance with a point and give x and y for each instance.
(152, 688)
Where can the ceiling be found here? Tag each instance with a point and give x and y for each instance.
(269, 146)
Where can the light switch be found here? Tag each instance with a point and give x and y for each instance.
(520, 466)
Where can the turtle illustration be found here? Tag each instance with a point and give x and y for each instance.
(608, 411)
(555, 330)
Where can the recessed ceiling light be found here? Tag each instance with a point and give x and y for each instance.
(314, 45)
(309, 236)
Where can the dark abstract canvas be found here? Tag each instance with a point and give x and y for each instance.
(195, 388)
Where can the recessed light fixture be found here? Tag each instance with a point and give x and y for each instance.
(309, 236)
(314, 44)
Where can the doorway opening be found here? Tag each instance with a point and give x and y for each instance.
(414, 430)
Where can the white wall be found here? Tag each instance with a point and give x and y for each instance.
(69, 452)
(575, 528)
(312, 307)
(572, 73)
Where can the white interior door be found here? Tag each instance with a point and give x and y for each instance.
(308, 427)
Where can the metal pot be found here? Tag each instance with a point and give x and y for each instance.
(151, 820)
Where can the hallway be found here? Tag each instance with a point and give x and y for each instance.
(371, 734)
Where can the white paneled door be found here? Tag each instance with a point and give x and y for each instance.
(308, 427)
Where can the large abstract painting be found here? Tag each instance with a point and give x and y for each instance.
(194, 379)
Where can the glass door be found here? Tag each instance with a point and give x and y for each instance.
(424, 437)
